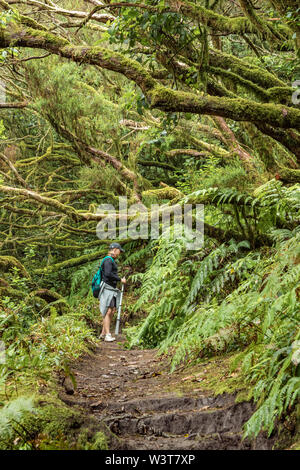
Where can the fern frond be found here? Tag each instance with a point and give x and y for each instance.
(12, 414)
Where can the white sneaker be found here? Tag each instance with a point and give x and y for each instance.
(109, 337)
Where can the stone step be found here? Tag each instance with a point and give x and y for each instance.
(208, 421)
(168, 403)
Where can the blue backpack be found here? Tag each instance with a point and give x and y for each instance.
(97, 279)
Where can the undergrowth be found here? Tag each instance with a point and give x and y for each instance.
(36, 350)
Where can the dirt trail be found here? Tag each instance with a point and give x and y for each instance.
(143, 404)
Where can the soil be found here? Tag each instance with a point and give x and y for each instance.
(147, 407)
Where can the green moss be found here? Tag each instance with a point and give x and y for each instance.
(18, 35)
(280, 94)
(238, 79)
(71, 262)
(54, 420)
(10, 292)
(288, 175)
(217, 21)
(238, 109)
(289, 431)
(48, 40)
(215, 377)
(159, 194)
(9, 262)
(219, 378)
(98, 442)
(32, 23)
(55, 426)
(240, 67)
(261, 25)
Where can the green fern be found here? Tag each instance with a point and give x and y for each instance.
(227, 298)
(11, 416)
(81, 279)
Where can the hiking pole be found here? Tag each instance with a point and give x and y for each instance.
(119, 311)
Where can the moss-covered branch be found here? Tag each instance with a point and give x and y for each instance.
(262, 26)
(27, 194)
(16, 105)
(290, 139)
(70, 263)
(218, 22)
(157, 164)
(186, 152)
(289, 175)
(7, 263)
(240, 109)
(255, 74)
(159, 96)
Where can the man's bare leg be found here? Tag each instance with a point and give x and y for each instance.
(107, 320)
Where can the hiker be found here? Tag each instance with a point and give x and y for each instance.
(109, 295)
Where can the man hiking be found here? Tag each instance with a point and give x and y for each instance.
(109, 295)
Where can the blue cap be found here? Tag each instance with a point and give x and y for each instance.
(115, 245)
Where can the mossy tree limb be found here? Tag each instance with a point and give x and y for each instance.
(70, 263)
(7, 263)
(240, 109)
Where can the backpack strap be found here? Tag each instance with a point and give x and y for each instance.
(105, 259)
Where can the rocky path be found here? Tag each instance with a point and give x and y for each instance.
(149, 408)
